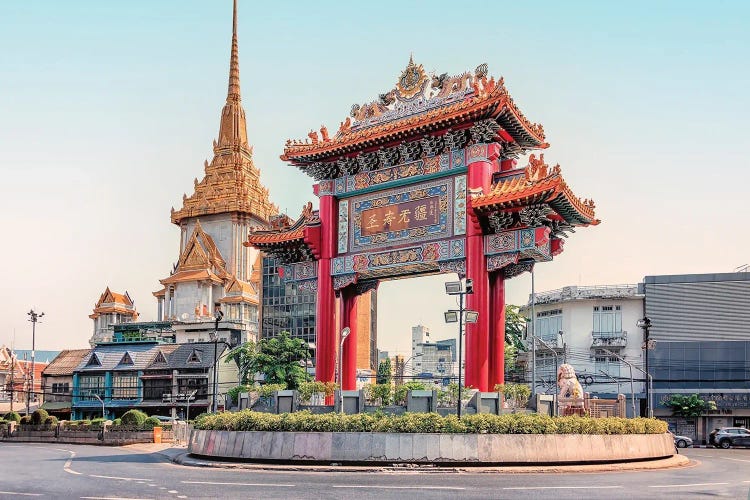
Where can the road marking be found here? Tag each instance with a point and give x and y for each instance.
(115, 498)
(120, 478)
(400, 487)
(239, 484)
(686, 485)
(20, 494)
(68, 462)
(172, 491)
(561, 487)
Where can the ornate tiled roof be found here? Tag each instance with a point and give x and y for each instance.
(419, 104)
(290, 242)
(110, 302)
(231, 182)
(200, 260)
(538, 184)
(237, 291)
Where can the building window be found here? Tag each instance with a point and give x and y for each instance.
(61, 388)
(548, 324)
(607, 321)
(125, 386)
(88, 385)
(607, 364)
(155, 389)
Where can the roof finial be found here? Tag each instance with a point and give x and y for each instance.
(411, 58)
(234, 62)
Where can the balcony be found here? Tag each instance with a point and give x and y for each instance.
(609, 339)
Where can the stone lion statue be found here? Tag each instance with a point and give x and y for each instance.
(568, 382)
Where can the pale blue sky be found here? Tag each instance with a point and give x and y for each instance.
(108, 109)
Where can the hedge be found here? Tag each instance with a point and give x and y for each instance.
(13, 416)
(304, 421)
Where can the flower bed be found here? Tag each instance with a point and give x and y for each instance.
(305, 421)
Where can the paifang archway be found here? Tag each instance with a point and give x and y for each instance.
(425, 180)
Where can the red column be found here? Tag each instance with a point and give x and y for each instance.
(477, 334)
(497, 329)
(325, 325)
(349, 356)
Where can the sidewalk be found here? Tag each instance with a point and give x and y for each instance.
(180, 456)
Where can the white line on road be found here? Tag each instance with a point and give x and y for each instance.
(115, 498)
(66, 466)
(238, 484)
(685, 485)
(399, 487)
(561, 487)
(120, 478)
(20, 494)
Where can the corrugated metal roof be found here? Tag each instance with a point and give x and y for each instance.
(66, 362)
(205, 354)
(110, 357)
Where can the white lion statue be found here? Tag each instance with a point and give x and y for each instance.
(568, 382)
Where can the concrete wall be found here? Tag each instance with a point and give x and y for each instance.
(81, 437)
(429, 448)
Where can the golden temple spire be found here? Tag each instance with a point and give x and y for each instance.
(233, 92)
(233, 129)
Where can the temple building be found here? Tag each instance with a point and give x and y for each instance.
(111, 309)
(214, 270)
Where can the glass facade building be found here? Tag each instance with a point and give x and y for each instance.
(284, 309)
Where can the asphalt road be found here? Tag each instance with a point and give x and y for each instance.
(90, 472)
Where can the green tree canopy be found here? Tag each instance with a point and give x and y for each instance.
(384, 372)
(278, 359)
(515, 325)
(683, 405)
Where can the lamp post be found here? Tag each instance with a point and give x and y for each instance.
(344, 334)
(217, 317)
(402, 367)
(33, 317)
(554, 353)
(533, 333)
(632, 390)
(104, 416)
(453, 316)
(645, 324)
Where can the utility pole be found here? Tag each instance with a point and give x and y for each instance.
(533, 336)
(12, 379)
(33, 317)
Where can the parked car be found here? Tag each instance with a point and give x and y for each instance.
(682, 441)
(163, 418)
(726, 437)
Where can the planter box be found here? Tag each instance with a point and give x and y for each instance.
(477, 449)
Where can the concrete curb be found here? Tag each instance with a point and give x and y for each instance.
(675, 461)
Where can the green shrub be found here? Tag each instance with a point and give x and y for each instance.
(150, 423)
(234, 392)
(267, 390)
(13, 416)
(39, 416)
(25, 420)
(50, 421)
(305, 421)
(379, 392)
(97, 423)
(117, 421)
(307, 389)
(399, 394)
(85, 422)
(134, 417)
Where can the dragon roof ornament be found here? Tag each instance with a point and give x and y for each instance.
(420, 98)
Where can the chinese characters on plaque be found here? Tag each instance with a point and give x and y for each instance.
(396, 217)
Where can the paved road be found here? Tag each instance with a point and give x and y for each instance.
(90, 472)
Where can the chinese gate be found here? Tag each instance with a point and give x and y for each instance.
(424, 180)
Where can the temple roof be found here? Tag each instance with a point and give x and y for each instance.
(238, 291)
(200, 260)
(537, 184)
(419, 104)
(231, 182)
(113, 303)
(290, 242)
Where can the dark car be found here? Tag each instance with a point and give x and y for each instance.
(726, 437)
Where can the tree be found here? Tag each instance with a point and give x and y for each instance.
(384, 372)
(278, 358)
(683, 405)
(515, 325)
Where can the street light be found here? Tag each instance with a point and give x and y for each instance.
(344, 334)
(554, 353)
(102, 402)
(645, 324)
(460, 316)
(33, 317)
(217, 317)
(632, 390)
(402, 368)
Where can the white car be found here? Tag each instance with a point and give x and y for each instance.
(682, 441)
